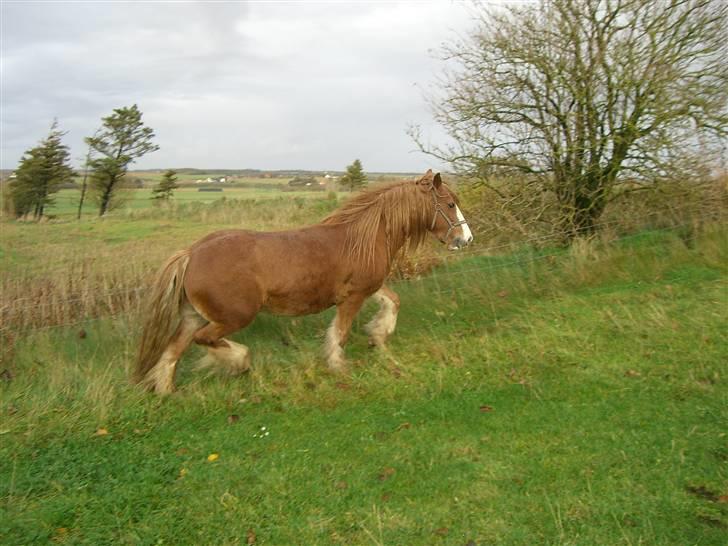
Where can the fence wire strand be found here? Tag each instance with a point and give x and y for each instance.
(108, 253)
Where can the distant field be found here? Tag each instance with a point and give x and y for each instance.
(66, 201)
(139, 234)
(150, 178)
(153, 177)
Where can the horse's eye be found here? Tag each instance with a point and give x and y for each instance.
(451, 205)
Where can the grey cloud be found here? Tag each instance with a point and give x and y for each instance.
(227, 85)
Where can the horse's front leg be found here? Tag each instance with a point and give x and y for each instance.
(383, 323)
(338, 333)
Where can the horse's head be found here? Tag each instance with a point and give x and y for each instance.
(448, 223)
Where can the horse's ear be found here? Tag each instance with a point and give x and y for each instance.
(425, 183)
(437, 181)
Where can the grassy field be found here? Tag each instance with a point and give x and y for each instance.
(66, 201)
(147, 229)
(154, 177)
(543, 397)
(260, 188)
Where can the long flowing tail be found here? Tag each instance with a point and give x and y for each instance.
(163, 315)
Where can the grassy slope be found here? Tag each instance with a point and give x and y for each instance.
(578, 399)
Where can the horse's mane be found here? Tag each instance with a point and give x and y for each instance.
(404, 208)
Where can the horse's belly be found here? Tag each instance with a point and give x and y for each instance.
(299, 295)
(295, 304)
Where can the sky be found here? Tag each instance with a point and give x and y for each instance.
(230, 85)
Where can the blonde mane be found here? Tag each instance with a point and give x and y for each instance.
(403, 207)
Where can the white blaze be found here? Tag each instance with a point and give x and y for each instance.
(467, 234)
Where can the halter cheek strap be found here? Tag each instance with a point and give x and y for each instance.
(439, 210)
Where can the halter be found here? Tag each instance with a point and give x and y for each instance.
(439, 209)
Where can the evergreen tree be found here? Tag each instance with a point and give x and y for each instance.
(84, 183)
(354, 177)
(163, 190)
(40, 174)
(122, 138)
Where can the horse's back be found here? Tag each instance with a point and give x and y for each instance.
(271, 254)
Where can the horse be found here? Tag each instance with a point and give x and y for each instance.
(219, 284)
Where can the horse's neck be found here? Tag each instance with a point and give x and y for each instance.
(389, 244)
(392, 243)
(379, 246)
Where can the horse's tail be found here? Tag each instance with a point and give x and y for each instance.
(163, 314)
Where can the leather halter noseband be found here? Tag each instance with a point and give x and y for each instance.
(439, 210)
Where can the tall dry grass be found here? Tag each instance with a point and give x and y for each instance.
(86, 286)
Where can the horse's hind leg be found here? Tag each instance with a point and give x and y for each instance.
(383, 323)
(233, 358)
(160, 378)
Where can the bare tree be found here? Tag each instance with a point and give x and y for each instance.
(580, 95)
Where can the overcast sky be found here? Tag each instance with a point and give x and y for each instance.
(267, 85)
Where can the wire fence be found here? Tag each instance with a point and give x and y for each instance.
(476, 250)
(88, 255)
(513, 264)
(50, 311)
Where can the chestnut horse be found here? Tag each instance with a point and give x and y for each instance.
(219, 284)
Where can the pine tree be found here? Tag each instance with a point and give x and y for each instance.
(354, 177)
(123, 137)
(163, 190)
(40, 174)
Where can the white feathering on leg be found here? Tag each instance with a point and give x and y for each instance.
(160, 378)
(333, 351)
(232, 358)
(384, 322)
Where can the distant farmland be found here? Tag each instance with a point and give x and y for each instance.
(66, 205)
(138, 194)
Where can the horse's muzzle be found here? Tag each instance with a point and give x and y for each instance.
(460, 242)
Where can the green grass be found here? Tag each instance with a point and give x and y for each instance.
(149, 230)
(66, 201)
(553, 398)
